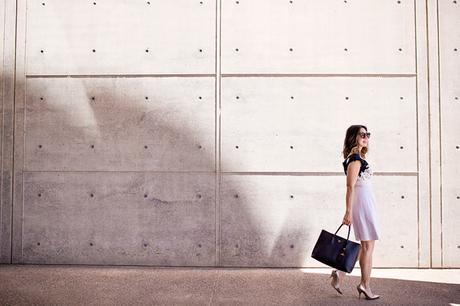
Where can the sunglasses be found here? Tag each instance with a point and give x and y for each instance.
(363, 135)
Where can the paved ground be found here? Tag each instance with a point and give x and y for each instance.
(111, 285)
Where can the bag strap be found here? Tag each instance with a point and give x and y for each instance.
(349, 228)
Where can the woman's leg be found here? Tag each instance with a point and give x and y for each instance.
(365, 261)
(341, 276)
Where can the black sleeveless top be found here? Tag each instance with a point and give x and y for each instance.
(351, 158)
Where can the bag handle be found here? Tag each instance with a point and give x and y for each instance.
(348, 236)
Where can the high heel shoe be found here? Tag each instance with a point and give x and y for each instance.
(361, 289)
(335, 281)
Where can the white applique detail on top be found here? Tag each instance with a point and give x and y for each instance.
(366, 174)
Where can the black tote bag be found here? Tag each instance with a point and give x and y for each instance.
(335, 251)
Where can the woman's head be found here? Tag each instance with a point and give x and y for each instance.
(356, 140)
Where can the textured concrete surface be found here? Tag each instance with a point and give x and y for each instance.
(111, 111)
(125, 218)
(105, 285)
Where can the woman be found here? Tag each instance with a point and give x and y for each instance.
(360, 206)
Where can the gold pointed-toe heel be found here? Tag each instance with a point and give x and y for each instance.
(335, 281)
(361, 289)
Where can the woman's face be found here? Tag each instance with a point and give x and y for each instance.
(362, 142)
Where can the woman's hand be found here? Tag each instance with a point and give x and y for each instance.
(347, 218)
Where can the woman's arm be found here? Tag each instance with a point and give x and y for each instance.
(352, 176)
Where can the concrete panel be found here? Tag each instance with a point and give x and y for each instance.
(449, 41)
(312, 36)
(276, 220)
(164, 124)
(17, 132)
(3, 235)
(264, 117)
(179, 37)
(119, 218)
(426, 247)
(434, 120)
(7, 94)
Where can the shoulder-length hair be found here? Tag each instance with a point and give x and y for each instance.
(350, 144)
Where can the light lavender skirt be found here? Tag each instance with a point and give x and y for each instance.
(365, 222)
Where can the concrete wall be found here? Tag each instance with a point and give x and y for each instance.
(208, 133)
(449, 97)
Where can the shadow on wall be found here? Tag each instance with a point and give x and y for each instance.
(121, 171)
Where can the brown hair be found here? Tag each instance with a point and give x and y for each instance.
(350, 145)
